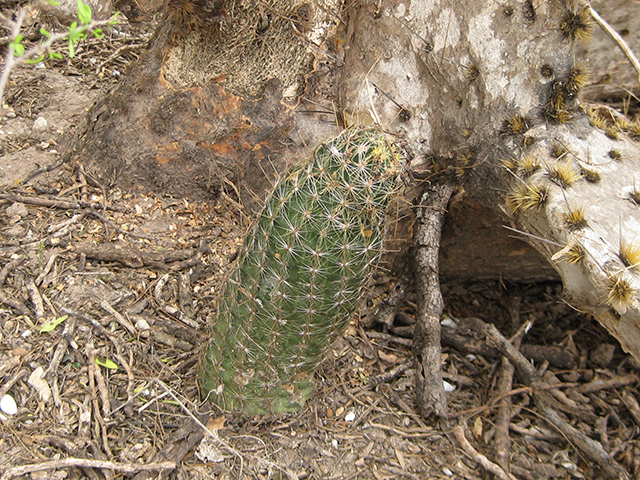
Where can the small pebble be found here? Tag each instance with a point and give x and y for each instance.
(142, 324)
(17, 209)
(448, 387)
(448, 322)
(350, 417)
(8, 405)
(40, 124)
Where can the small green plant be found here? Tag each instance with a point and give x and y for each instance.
(301, 274)
(17, 54)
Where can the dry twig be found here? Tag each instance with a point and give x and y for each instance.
(430, 395)
(488, 465)
(615, 36)
(592, 449)
(502, 441)
(83, 462)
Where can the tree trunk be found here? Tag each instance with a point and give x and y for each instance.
(213, 101)
(488, 93)
(480, 94)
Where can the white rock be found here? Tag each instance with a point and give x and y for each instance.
(448, 387)
(8, 405)
(142, 324)
(448, 322)
(40, 125)
(350, 417)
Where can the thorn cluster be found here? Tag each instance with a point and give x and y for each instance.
(563, 174)
(576, 25)
(575, 218)
(527, 197)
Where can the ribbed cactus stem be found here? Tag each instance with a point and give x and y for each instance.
(300, 275)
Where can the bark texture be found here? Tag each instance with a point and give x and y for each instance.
(430, 395)
(476, 87)
(211, 103)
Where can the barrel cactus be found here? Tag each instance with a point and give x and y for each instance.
(300, 274)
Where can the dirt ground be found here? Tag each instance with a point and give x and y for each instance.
(105, 302)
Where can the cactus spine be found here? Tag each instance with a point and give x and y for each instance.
(300, 274)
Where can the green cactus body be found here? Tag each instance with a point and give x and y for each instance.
(300, 274)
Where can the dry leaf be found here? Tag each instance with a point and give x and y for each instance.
(215, 424)
(37, 381)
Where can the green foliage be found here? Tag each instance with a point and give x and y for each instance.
(78, 31)
(33, 61)
(51, 325)
(16, 45)
(301, 274)
(106, 363)
(84, 12)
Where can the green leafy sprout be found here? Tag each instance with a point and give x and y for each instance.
(17, 53)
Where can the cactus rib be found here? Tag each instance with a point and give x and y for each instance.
(300, 274)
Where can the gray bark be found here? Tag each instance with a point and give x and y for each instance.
(430, 395)
(446, 78)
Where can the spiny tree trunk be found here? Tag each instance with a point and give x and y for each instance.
(488, 92)
(479, 94)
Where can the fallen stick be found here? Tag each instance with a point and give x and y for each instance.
(557, 356)
(132, 257)
(9, 267)
(615, 382)
(389, 375)
(615, 36)
(501, 439)
(632, 405)
(48, 202)
(497, 340)
(84, 462)
(487, 464)
(427, 351)
(590, 448)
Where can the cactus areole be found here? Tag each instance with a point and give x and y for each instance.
(300, 275)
